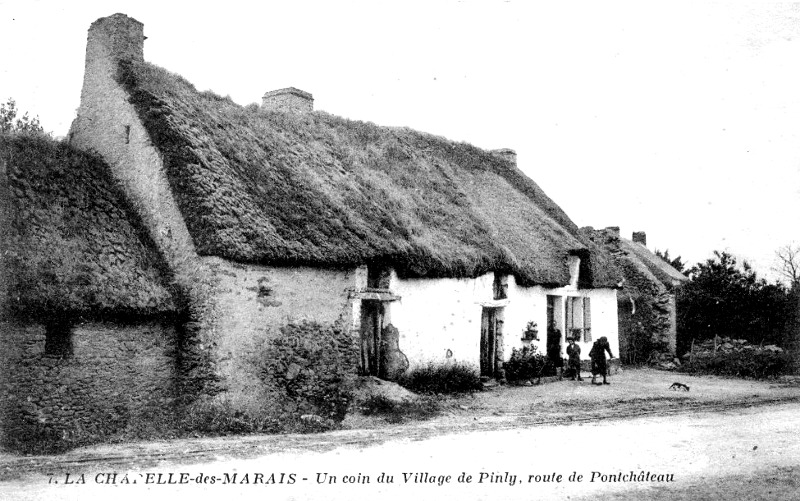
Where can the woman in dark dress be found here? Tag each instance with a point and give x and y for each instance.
(598, 356)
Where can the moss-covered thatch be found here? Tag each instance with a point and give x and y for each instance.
(645, 302)
(70, 244)
(660, 269)
(314, 189)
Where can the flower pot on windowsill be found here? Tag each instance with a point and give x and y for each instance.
(530, 336)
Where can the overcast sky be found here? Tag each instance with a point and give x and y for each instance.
(679, 119)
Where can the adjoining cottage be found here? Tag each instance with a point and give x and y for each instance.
(89, 320)
(647, 306)
(419, 249)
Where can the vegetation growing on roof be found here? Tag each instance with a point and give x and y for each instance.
(644, 299)
(314, 189)
(70, 243)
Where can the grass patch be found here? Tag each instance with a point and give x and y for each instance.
(446, 379)
(400, 412)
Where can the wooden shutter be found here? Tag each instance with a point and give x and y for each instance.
(587, 320)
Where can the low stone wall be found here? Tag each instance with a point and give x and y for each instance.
(117, 379)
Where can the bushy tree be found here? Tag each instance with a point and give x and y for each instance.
(9, 122)
(676, 263)
(723, 298)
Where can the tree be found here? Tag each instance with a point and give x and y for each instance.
(726, 299)
(9, 122)
(788, 267)
(676, 263)
(788, 264)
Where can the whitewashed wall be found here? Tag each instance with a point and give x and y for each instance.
(530, 304)
(437, 315)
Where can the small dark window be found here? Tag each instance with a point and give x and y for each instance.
(58, 340)
(500, 286)
(378, 277)
(127, 134)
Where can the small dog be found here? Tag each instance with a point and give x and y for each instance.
(679, 386)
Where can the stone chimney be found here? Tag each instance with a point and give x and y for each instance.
(507, 154)
(612, 231)
(640, 237)
(288, 99)
(110, 40)
(115, 37)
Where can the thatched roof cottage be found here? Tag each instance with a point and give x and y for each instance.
(647, 306)
(88, 312)
(266, 218)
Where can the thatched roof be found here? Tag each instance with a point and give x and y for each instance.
(315, 189)
(70, 245)
(662, 270)
(644, 272)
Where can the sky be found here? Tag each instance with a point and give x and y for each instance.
(678, 119)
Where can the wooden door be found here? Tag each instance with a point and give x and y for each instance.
(371, 328)
(488, 341)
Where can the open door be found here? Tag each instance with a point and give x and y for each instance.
(555, 327)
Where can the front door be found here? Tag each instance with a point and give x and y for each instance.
(554, 335)
(489, 325)
(371, 328)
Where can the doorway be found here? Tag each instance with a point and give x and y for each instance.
(491, 340)
(372, 314)
(555, 324)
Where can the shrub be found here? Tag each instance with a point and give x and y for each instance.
(219, 417)
(525, 364)
(449, 378)
(398, 412)
(760, 364)
(309, 369)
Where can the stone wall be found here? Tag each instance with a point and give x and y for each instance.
(248, 305)
(118, 379)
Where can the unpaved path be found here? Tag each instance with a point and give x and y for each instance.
(735, 454)
(725, 439)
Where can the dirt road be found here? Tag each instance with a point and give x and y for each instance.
(742, 453)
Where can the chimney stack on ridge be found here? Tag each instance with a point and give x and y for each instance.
(117, 37)
(288, 99)
(506, 154)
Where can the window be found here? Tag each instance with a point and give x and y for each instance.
(579, 318)
(500, 286)
(378, 277)
(58, 340)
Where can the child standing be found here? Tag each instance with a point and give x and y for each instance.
(574, 360)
